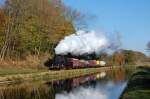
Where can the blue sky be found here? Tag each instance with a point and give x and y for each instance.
(1, 1)
(130, 17)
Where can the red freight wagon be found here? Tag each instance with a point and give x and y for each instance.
(74, 62)
(82, 63)
(92, 63)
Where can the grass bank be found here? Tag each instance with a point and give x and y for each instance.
(138, 86)
(15, 71)
(47, 75)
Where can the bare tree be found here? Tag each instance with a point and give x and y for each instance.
(77, 18)
(116, 41)
(148, 46)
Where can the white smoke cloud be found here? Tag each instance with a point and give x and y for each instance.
(82, 42)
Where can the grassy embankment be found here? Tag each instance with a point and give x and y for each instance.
(138, 86)
(45, 75)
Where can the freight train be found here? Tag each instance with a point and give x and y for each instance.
(63, 62)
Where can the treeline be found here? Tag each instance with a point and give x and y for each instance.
(125, 57)
(34, 27)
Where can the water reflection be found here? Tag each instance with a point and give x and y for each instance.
(26, 91)
(69, 84)
(107, 91)
(107, 85)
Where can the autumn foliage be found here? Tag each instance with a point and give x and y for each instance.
(31, 27)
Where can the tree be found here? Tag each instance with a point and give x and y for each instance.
(2, 20)
(116, 41)
(78, 19)
(33, 26)
(117, 58)
(148, 46)
(2, 27)
(129, 57)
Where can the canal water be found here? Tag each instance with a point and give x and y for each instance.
(104, 85)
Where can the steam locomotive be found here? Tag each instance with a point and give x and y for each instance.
(65, 62)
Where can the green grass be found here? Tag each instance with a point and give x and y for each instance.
(139, 85)
(13, 71)
(138, 94)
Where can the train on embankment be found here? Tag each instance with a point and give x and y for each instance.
(65, 62)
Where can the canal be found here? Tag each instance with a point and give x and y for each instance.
(103, 85)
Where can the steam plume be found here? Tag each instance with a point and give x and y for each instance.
(81, 43)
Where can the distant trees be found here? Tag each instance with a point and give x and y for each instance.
(127, 57)
(148, 46)
(119, 58)
(32, 26)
